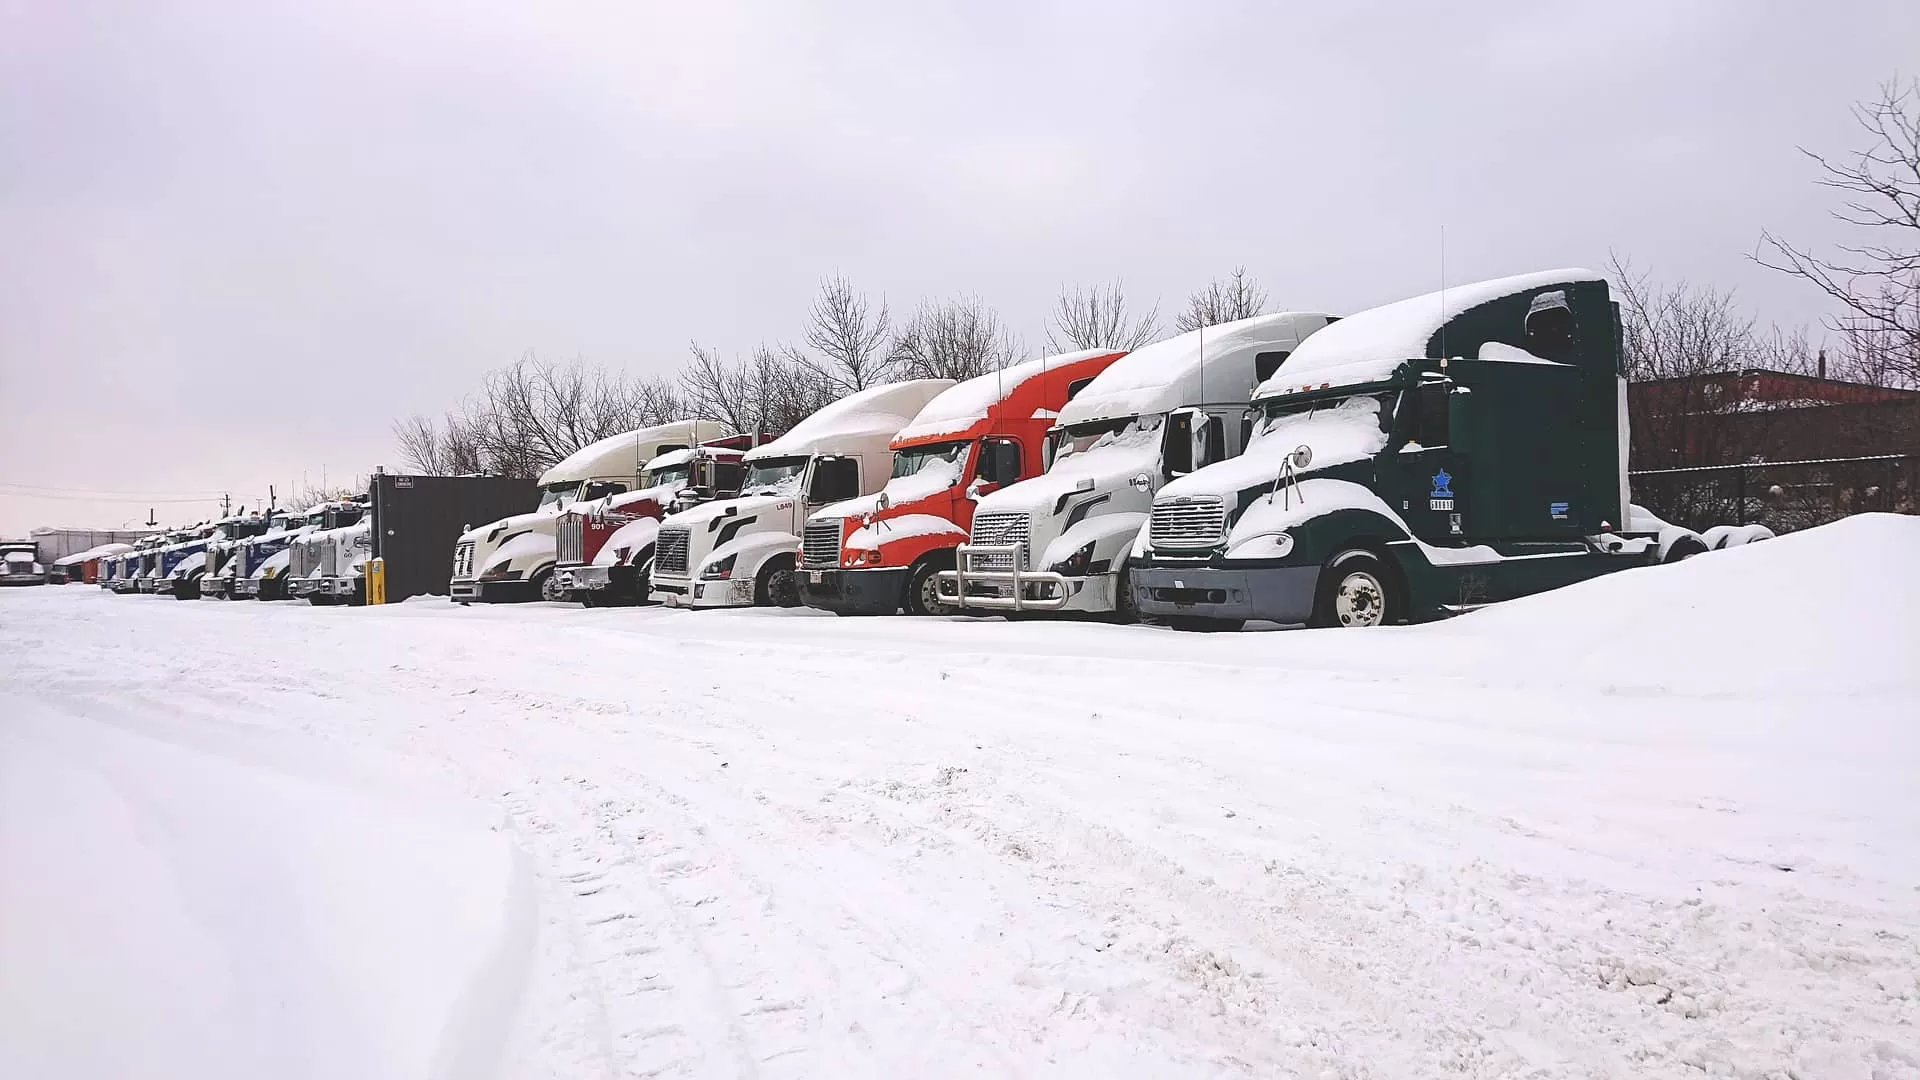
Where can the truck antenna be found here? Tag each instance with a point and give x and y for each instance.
(1443, 296)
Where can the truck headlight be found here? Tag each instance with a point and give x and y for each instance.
(502, 572)
(1273, 545)
(1076, 564)
(718, 570)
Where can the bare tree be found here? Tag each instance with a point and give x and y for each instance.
(848, 338)
(1877, 280)
(767, 392)
(955, 339)
(1236, 296)
(530, 414)
(1097, 318)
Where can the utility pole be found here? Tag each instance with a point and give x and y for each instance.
(271, 503)
(151, 520)
(226, 505)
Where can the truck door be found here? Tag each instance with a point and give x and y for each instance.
(1428, 467)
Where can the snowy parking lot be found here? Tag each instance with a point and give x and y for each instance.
(1665, 824)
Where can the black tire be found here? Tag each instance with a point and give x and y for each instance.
(547, 589)
(776, 586)
(1357, 589)
(922, 592)
(1683, 549)
(1201, 624)
(1126, 606)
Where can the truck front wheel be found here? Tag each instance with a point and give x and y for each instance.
(547, 587)
(1356, 589)
(776, 585)
(923, 589)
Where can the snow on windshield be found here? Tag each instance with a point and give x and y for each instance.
(558, 496)
(775, 476)
(1132, 433)
(1345, 429)
(673, 475)
(923, 471)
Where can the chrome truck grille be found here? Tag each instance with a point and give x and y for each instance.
(463, 560)
(670, 550)
(821, 544)
(569, 539)
(1000, 529)
(1187, 522)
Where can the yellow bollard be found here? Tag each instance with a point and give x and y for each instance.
(376, 581)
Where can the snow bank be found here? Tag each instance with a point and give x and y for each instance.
(1772, 611)
(1368, 345)
(169, 912)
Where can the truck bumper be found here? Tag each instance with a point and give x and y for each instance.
(601, 582)
(1282, 594)
(1029, 590)
(463, 590)
(689, 593)
(854, 592)
(503, 592)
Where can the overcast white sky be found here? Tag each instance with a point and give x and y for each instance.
(237, 239)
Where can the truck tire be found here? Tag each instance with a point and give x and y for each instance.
(776, 586)
(1356, 589)
(546, 587)
(1126, 607)
(923, 596)
(1683, 549)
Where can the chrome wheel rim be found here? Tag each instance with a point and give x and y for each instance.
(930, 602)
(1360, 600)
(550, 589)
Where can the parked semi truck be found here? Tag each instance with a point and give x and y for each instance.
(1413, 460)
(512, 559)
(605, 546)
(216, 578)
(310, 565)
(182, 562)
(1059, 542)
(741, 551)
(20, 564)
(259, 562)
(880, 553)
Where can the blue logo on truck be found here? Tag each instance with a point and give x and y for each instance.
(1558, 510)
(1442, 485)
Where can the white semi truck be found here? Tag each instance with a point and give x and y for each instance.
(513, 559)
(739, 552)
(1059, 541)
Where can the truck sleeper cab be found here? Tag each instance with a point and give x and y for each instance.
(1413, 460)
(879, 553)
(512, 560)
(742, 551)
(605, 547)
(1060, 541)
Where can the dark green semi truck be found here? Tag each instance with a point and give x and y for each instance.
(1414, 460)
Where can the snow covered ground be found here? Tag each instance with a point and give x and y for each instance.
(1665, 824)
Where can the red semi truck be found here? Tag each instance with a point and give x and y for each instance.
(879, 553)
(605, 546)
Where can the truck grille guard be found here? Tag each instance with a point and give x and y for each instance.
(997, 556)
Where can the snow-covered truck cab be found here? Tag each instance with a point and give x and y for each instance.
(742, 551)
(344, 563)
(1414, 459)
(512, 560)
(879, 553)
(248, 563)
(307, 566)
(217, 582)
(1059, 542)
(606, 546)
(20, 564)
(183, 562)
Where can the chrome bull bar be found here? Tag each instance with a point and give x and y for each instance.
(951, 585)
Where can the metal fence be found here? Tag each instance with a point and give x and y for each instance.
(1782, 495)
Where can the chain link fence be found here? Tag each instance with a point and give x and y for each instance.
(1782, 495)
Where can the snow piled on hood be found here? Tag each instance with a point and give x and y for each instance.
(933, 478)
(1109, 462)
(961, 406)
(903, 527)
(1169, 374)
(875, 411)
(636, 536)
(1338, 433)
(526, 545)
(707, 511)
(1369, 345)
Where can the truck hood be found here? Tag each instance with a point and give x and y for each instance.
(901, 491)
(1111, 467)
(744, 505)
(516, 523)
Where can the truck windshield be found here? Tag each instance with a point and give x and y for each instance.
(557, 496)
(1124, 431)
(1336, 428)
(674, 475)
(949, 457)
(774, 476)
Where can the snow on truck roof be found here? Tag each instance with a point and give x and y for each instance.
(1215, 363)
(957, 409)
(1370, 344)
(101, 552)
(628, 451)
(876, 412)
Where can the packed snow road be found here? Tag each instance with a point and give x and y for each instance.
(1664, 824)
